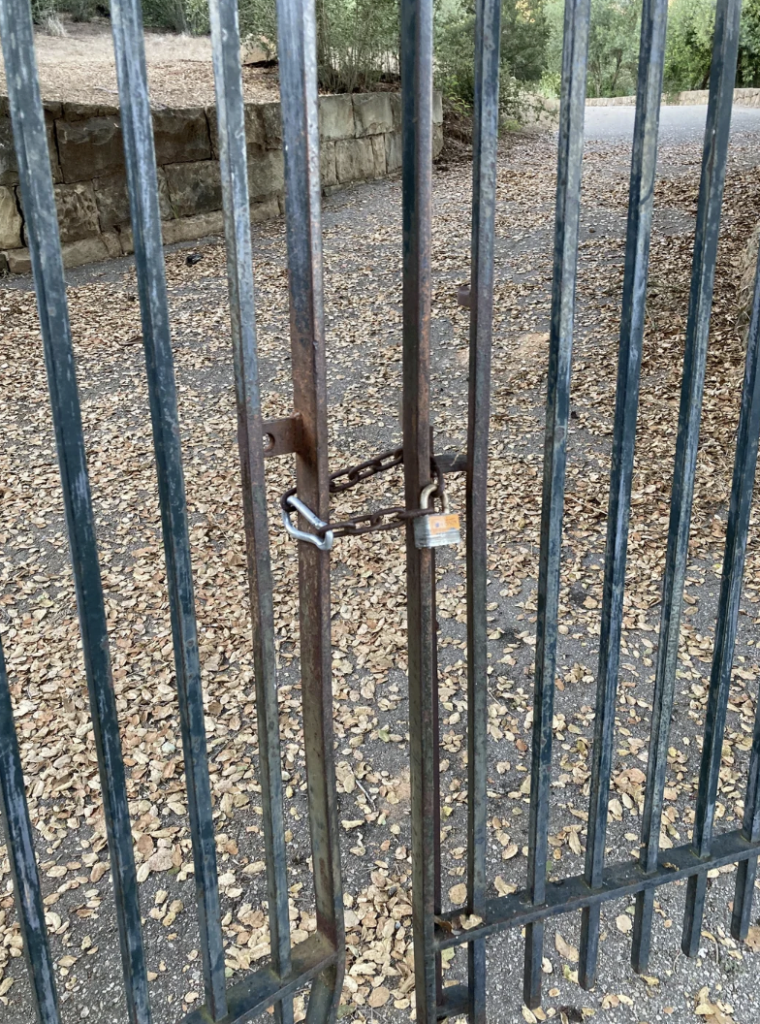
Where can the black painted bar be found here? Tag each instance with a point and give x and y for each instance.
(417, 150)
(746, 452)
(225, 37)
(298, 89)
(695, 354)
(263, 988)
(640, 205)
(30, 139)
(569, 167)
(619, 881)
(724, 68)
(485, 146)
(19, 840)
(137, 130)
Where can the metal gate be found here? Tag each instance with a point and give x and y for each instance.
(319, 959)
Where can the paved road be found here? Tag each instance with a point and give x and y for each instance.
(678, 124)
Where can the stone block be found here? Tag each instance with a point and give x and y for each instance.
(328, 174)
(336, 117)
(10, 220)
(271, 118)
(394, 99)
(354, 159)
(392, 152)
(88, 149)
(112, 243)
(77, 211)
(180, 229)
(85, 250)
(255, 136)
(437, 140)
(8, 165)
(266, 174)
(372, 113)
(378, 155)
(113, 200)
(437, 107)
(185, 229)
(84, 111)
(194, 188)
(19, 261)
(181, 136)
(268, 209)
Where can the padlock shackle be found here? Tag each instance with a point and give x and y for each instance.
(427, 493)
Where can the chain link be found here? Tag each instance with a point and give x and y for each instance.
(380, 519)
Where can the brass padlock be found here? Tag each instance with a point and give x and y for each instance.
(435, 531)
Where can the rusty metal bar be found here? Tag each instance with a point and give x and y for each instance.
(298, 90)
(417, 160)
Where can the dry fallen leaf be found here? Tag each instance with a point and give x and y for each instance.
(565, 949)
(378, 997)
(624, 923)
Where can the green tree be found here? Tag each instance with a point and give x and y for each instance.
(357, 40)
(613, 46)
(524, 37)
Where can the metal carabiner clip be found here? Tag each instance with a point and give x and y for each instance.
(290, 501)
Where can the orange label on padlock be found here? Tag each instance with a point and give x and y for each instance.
(442, 524)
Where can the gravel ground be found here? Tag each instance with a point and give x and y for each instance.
(362, 275)
(79, 68)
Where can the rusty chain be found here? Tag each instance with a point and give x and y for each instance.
(380, 519)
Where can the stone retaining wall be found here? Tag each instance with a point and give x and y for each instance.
(360, 140)
(695, 97)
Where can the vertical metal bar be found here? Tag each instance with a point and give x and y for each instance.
(298, 89)
(744, 479)
(485, 146)
(695, 354)
(30, 139)
(640, 204)
(569, 166)
(417, 150)
(225, 38)
(19, 842)
(126, 18)
(725, 49)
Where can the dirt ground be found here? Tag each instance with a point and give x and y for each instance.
(362, 232)
(79, 68)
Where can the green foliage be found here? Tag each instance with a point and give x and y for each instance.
(42, 10)
(357, 40)
(189, 16)
(613, 46)
(524, 36)
(689, 46)
(688, 57)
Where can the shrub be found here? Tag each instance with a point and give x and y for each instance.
(524, 37)
(357, 40)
